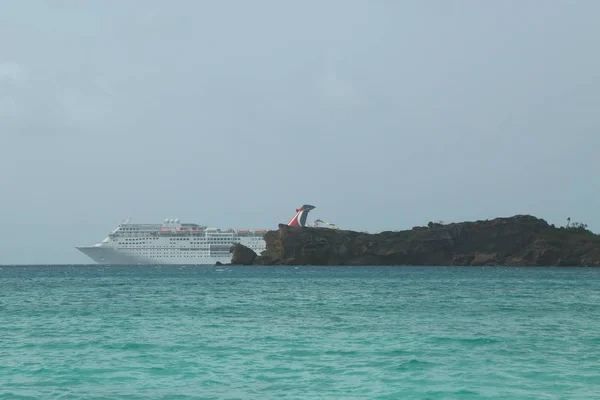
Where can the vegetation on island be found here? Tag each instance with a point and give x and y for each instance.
(576, 227)
(572, 227)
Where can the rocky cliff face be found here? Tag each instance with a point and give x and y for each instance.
(242, 255)
(520, 241)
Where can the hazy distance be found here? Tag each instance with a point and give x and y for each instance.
(382, 114)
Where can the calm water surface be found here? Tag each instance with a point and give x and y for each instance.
(73, 332)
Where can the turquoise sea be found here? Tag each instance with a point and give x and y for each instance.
(101, 332)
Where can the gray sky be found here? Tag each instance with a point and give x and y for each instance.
(382, 114)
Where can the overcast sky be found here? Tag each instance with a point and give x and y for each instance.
(382, 114)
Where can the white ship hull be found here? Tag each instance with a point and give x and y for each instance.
(111, 256)
(170, 243)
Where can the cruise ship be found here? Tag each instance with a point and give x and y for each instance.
(171, 242)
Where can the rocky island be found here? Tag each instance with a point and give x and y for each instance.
(522, 240)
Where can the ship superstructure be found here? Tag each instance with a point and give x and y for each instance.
(171, 242)
(301, 216)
